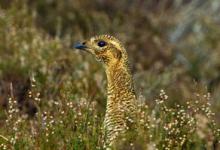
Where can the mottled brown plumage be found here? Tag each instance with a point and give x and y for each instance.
(121, 99)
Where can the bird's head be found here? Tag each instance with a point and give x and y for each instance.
(106, 49)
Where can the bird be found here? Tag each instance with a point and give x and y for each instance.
(121, 104)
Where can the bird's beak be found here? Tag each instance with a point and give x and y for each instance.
(80, 46)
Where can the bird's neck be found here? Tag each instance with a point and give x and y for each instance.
(121, 101)
(120, 82)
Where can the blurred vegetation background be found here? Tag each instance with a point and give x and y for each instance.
(172, 44)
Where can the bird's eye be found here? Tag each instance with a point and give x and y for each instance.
(101, 43)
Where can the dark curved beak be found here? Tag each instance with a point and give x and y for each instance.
(80, 46)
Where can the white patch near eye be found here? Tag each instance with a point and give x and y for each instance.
(107, 38)
(116, 44)
(92, 39)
